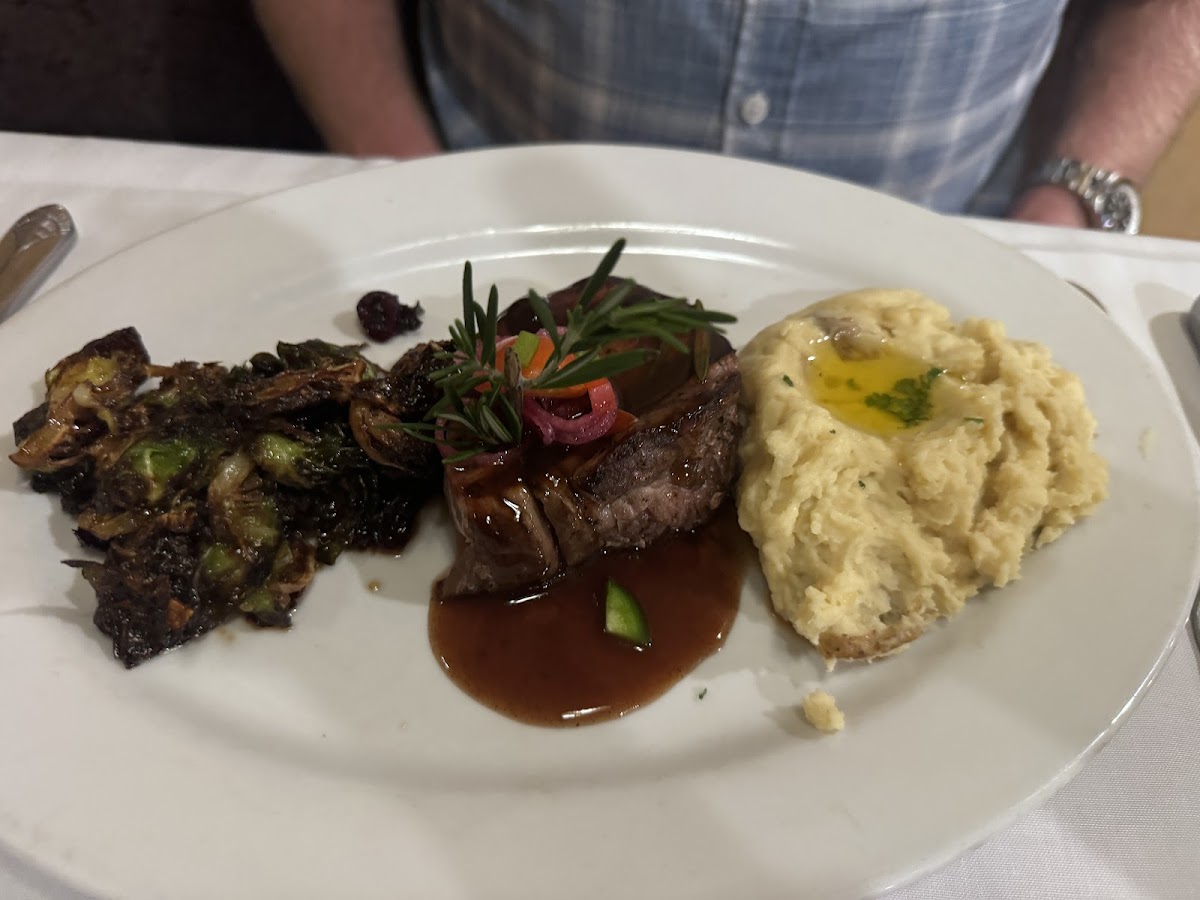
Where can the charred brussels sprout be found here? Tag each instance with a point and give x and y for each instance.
(158, 463)
(221, 563)
(217, 492)
(299, 463)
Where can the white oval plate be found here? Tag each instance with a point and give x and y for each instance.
(337, 760)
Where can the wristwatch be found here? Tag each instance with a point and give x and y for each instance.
(1110, 200)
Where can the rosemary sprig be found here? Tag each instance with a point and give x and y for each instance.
(480, 407)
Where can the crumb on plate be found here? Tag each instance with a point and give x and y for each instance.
(1146, 442)
(821, 710)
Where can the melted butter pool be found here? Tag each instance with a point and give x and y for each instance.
(843, 386)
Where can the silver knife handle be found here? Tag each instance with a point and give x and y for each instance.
(47, 222)
(29, 252)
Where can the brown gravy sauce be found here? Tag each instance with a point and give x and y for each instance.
(543, 657)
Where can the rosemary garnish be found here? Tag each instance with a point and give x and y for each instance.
(480, 407)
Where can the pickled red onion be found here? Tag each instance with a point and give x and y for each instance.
(581, 429)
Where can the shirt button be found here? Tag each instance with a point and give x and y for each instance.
(755, 108)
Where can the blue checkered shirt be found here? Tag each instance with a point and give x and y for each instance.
(917, 98)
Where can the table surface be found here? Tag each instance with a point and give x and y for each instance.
(1128, 826)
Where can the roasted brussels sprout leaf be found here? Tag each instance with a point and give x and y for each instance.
(217, 492)
(83, 393)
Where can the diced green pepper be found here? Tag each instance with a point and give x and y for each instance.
(525, 345)
(623, 616)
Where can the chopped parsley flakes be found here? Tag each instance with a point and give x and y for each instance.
(908, 399)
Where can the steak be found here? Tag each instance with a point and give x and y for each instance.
(526, 515)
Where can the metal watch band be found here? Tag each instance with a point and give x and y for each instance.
(1110, 199)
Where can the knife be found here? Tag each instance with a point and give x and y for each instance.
(1191, 325)
(1192, 322)
(30, 251)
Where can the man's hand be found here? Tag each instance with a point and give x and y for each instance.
(1048, 204)
(347, 65)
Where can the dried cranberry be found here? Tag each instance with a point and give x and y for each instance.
(383, 316)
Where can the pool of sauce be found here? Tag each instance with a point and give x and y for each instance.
(543, 657)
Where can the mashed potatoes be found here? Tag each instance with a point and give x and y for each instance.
(893, 464)
(821, 710)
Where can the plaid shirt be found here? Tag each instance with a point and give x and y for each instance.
(918, 98)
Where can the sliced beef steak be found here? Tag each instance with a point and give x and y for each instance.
(524, 517)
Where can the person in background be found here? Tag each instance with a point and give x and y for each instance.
(146, 70)
(934, 101)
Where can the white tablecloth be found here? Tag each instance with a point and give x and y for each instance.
(1127, 827)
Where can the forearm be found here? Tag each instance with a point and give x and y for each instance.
(346, 62)
(1136, 75)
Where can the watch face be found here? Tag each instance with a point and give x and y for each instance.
(1118, 208)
